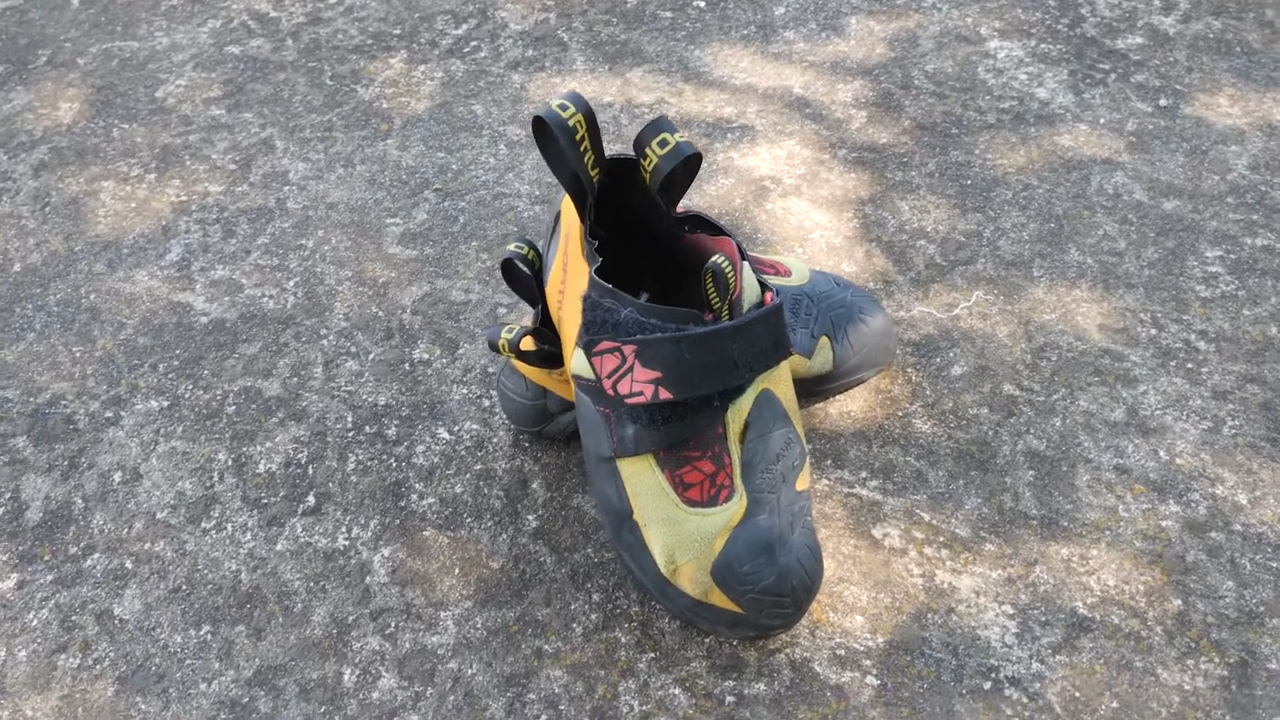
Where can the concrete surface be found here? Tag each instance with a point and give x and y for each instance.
(251, 463)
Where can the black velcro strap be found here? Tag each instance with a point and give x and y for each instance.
(669, 161)
(507, 339)
(568, 137)
(704, 361)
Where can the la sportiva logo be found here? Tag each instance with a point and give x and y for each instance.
(659, 146)
(527, 252)
(576, 121)
(508, 334)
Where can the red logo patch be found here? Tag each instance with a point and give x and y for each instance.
(623, 377)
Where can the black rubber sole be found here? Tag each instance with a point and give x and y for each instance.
(863, 337)
(870, 361)
(771, 566)
(532, 408)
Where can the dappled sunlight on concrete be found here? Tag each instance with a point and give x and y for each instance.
(136, 293)
(191, 93)
(926, 212)
(288, 15)
(66, 697)
(520, 15)
(120, 205)
(1079, 310)
(56, 365)
(746, 66)
(1059, 144)
(908, 562)
(783, 78)
(865, 40)
(881, 401)
(796, 201)
(1082, 311)
(1116, 687)
(402, 279)
(801, 226)
(866, 589)
(58, 102)
(677, 98)
(1103, 579)
(448, 568)
(401, 87)
(1237, 108)
(1246, 484)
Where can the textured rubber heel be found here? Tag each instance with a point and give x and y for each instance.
(868, 363)
(532, 408)
(867, 344)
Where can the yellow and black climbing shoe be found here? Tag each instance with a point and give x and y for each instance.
(676, 356)
(840, 334)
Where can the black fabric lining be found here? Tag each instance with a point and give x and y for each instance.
(640, 244)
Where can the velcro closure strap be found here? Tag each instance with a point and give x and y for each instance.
(701, 362)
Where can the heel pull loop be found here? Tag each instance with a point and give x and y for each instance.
(543, 349)
(669, 161)
(521, 268)
(568, 136)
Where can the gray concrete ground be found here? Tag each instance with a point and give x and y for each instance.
(251, 462)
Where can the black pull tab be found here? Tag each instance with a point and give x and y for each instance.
(507, 340)
(669, 161)
(568, 137)
(522, 272)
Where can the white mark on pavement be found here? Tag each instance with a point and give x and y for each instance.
(976, 296)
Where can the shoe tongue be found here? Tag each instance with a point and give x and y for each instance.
(729, 285)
